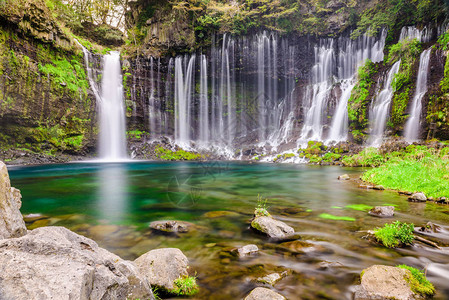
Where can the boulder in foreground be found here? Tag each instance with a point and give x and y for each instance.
(11, 220)
(386, 282)
(56, 263)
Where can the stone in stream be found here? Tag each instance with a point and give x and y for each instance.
(272, 279)
(385, 282)
(56, 263)
(419, 197)
(34, 217)
(171, 226)
(11, 220)
(261, 293)
(248, 250)
(273, 228)
(161, 267)
(379, 187)
(382, 211)
(343, 177)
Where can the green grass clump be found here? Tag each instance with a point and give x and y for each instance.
(395, 234)
(418, 282)
(166, 154)
(185, 286)
(338, 218)
(261, 208)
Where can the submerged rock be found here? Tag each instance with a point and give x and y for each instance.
(382, 211)
(261, 293)
(385, 282)
(11, 220)
(419, 197)
(272, 228)
(56, 263)
(34, 217)
(171, 226)
(248, 250)
(161, 267)
(272, 279)
(343, 177)
(220, 214)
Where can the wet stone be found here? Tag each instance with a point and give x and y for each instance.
(171, 226)
(248, 250)
(33, 217)
(418, 197)
(261, 293)
(344, 177)
(271, 279)
(382, 211)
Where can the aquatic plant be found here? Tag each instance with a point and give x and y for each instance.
(418, 281)
(338, 218)
(394, 234)
(185, 286)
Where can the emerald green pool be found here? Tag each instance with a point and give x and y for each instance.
(114, 204)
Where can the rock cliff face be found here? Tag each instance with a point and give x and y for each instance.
(45, 102)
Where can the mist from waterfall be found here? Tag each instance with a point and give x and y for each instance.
(413, 124)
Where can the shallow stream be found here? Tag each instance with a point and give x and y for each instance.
(114, 204)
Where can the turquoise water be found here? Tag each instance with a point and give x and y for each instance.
(114, 204)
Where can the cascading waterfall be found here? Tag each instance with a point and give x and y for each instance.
(184, 79)
(336, 61)
(410, 32)
(413, 125)
(112, 111)
(381, 108)
(204, 105)
(112, 137)
(317, 93)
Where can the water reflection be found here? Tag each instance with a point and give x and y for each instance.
(112, 198)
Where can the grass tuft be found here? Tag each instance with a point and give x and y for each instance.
(395, 234)
(185, 286)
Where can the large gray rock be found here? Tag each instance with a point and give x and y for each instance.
(385, 282)
(382, 211)
(261, 293)
(11, 220)
(162, 266)
(273, 228)
(56, 263)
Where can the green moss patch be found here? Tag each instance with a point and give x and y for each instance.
(418, 282)
(337, 218)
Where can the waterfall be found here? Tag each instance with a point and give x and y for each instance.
(412, 126)
(411, 32)
(184, 80)
(112, 111)
(317, 92)
(336, 61)
(381, 108)
(204, 105)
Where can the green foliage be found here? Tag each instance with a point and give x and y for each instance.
(331, 157)
(261, 208)
(395, 234)
(358, 102)
(69, 74)
(166, 154)
(337, 218)
(135, 134)
(408, 51)
(418, 282)
(415, 169)
(185, 286)
(75, 142)
(284, 156)
(368, 157)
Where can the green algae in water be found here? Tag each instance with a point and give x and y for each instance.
(337, 207)
(361, 207)
(338, 218)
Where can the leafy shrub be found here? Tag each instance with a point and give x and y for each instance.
(395, 234)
